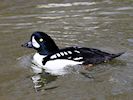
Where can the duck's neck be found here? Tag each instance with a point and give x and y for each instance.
(43, 51)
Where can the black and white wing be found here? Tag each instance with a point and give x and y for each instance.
(86, 55)
(70, 53)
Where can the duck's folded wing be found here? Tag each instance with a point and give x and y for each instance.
(95, 56)
(82, 54)
(69, 53)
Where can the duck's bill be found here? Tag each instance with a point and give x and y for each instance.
(27, 45)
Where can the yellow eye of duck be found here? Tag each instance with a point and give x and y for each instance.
(40, 39)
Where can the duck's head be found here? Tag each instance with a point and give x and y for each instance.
(41, 42)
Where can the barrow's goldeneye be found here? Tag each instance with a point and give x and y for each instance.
(54, 60)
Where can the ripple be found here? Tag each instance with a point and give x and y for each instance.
(56, 17)
(54, 5)
(122, 81)
(90, 18)
(24, 61)
(60, 12)
(19, 16)
(125, 8)
(91, 28)
(23, 24)
(130, 41)
(109, 13)
(5, 24)
(83, 3)
(85, 10)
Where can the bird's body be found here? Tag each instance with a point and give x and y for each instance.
(55, 60)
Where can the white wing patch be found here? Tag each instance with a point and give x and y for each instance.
(34, 43)
(65, 53)
(76, 51)
(62, 53)
(58, 55)
(69, 57)
(53, 56)
(78, 58)
(69, 52)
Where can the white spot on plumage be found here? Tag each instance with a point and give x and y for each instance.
(65, 53)
(58, 55)
(69, 52)
(34, 43)
(53, 57)
(76, 51)
(62, 53)
(78, 58)
(69, 57)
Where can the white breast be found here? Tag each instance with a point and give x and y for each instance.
(37, 58)
(37, 65)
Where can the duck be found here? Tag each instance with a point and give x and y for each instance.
(54, 60)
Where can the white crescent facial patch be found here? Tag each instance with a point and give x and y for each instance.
(35, 43)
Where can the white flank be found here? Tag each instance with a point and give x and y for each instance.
(34, 43)
(57, 67)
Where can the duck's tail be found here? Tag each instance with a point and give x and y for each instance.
(116, 55)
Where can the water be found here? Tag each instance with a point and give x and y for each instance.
(102, 24)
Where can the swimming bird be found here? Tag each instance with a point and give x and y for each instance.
(54, 60)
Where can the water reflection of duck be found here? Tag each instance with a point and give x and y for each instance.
(54, 60)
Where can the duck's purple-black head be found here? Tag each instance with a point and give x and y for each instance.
(41, 42)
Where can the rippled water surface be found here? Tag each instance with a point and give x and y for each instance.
(103, 24)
